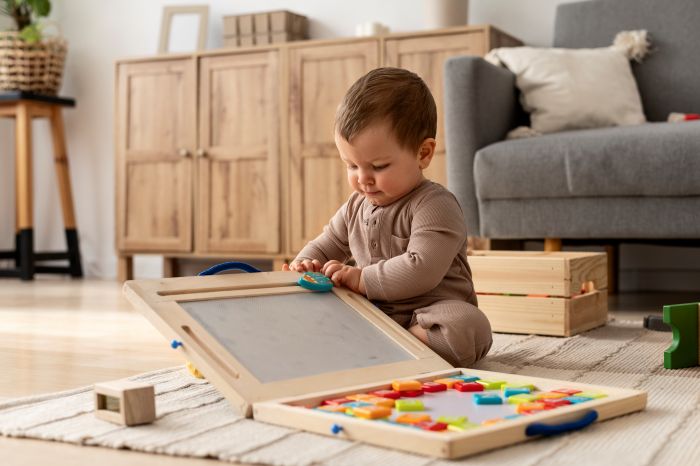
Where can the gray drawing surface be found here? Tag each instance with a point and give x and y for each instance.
(295, 335)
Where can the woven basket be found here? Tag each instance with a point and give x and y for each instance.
(29, 67)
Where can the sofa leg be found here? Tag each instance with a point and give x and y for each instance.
(552, 244)
(613, 252)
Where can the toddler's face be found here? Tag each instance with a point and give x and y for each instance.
(378, 167)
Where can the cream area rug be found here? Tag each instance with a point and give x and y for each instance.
(194, 420)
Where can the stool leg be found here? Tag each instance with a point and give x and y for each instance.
(25, 214)
(61, 164)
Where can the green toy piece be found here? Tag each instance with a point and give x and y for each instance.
(683, 319)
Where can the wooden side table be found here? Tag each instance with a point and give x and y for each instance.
(24, 107)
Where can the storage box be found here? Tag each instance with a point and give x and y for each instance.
(546, 293)
(264, 28)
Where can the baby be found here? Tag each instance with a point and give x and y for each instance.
(406, 234)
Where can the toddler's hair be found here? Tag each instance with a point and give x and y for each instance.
(395, 94)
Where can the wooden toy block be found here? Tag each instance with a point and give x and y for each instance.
(432, 387)
(566, 391)
(490, 422)
(409, 405)
(355, 404)
(525, 408)
(379, 401)
(551, 396)
(411, 393)
(516, 391)
(372, 412)
(592, 395)
(491, 384)
(337, 401)
(541, 292)
(522, 398)
(449, 382)
(461, 427)
(412, 418)
(685, 324)
(465, 378)
(577, 399)
(529, 386)
(555, 403)
(405, 385)
(469, 387)
(124, 402)
(360, 397)
(433, 426)
(333, 408)
(392, 394)
(452, 420)
(487, 399)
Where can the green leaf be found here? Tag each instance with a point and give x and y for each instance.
(40, 7)
(31, 34)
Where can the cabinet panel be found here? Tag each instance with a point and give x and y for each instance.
(238, 178)
(426, 57)
(155, 135)
(320, 76)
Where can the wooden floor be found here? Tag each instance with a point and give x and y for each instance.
(58, 334)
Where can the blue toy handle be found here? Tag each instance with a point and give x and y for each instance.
(540, 428)
(224, 266)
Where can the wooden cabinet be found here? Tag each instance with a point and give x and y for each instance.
(319, 77)
(238, 164)
(230, 153)
(155, 133)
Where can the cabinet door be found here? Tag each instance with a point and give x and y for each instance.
(155, 134)
(426, 57)
(238, 190)
(320, 76)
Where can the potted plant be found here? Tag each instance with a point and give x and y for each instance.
(29, 61)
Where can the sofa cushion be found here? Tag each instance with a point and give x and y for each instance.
(668, 78)
(653, 159)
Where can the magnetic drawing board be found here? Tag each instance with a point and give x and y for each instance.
(260, 336)
(295, 335)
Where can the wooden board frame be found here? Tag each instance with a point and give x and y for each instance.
(286, 412)
(159, 301)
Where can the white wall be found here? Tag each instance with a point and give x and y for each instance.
(101, 32)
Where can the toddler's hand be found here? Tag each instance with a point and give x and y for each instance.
(303, 266)
(344, 275)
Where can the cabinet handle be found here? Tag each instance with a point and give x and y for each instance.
(183, 152)
(201, 152)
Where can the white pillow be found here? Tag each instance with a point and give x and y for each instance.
(566, 89)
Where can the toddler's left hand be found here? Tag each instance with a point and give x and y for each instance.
(344, 275)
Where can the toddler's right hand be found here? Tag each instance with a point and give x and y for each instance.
(306, 265)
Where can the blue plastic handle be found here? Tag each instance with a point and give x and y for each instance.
(224, 266)
(540, 428)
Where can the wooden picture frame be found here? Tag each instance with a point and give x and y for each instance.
(169, 12)
(294, 412)
(163, 302)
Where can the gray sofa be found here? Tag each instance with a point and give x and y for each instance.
(635, 182)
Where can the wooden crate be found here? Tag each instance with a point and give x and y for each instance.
(264, 28)
(545, 293)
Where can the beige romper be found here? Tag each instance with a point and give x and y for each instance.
(413, 256)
